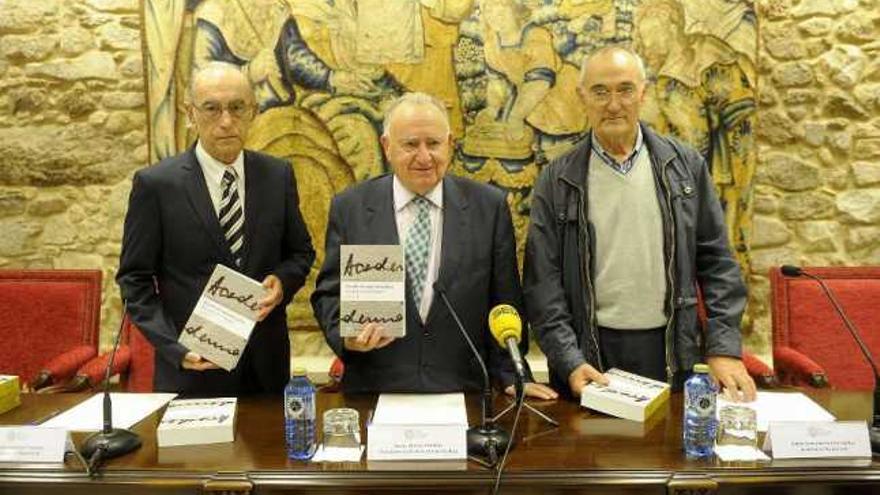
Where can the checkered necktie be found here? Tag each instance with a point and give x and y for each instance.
(418, 241)
(232, 215)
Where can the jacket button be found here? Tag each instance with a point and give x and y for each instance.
(688, 189)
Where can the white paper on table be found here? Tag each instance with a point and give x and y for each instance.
(781, 406)
(338, 454)
(730, 453)
(422, 409)
(128, 409)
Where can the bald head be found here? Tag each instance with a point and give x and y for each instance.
(227, 74)
(414, 99)
(616, 55)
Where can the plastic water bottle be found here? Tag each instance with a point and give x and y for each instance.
(699, 414)
(299, 416)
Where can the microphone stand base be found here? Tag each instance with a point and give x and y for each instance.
(487, 442)
(115, 443)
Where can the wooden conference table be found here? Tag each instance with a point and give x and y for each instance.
(587, 453)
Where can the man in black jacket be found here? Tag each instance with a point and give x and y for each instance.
(214, 204)
(624, 229)
(470, 251)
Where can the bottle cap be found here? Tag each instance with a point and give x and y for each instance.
(300, 371)
(701, 368)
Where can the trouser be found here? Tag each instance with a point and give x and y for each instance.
(638, 351)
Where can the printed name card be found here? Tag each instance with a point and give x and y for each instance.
(32, 444)
(813, 440)
(372, 289)
(223, 318)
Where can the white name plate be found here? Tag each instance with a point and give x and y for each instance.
(418, 427)
(813, 440)
(32, 444)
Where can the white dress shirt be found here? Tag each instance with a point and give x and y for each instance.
(213, 171)
(405, 215)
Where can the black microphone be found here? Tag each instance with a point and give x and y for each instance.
(487, 439)
(874, 429)
(109, 442)
(506, 326)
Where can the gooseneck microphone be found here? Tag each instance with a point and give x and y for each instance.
(109, 442)
(488, 439)
(874, 429)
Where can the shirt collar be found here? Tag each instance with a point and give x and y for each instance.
(403, 196)
(628, 162)
(215, 168)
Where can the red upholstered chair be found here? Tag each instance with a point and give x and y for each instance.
(49, 323)
(139, 377)
(133, 364)
(811, 345)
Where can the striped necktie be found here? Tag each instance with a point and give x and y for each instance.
(232, 215)
(418, 241)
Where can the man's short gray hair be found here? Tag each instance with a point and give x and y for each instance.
(612, 48)
(215, 66)
(414, 98)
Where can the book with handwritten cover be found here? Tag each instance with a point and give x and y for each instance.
(627, 395)
(197, 421)
(221, 323)
(372, 288)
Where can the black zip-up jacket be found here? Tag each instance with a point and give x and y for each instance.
(558, 275)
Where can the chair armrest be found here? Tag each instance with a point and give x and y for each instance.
(61, 367)
(91, 374)
(796, 368)
(759, 371)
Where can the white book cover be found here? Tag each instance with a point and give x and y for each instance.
(372, 288)
(627, 395)
(197, 421)
(418, 427)
(221, 323)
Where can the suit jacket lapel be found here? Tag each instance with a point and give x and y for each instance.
(200, 199)
(381, 217)
(252, 205)
(455, 227)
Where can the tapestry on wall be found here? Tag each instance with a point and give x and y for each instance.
(324, 70)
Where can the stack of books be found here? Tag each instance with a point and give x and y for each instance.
(9, 393)
(197, 421)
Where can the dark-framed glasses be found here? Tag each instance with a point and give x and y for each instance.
(237, 110)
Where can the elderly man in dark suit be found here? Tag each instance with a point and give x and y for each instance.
(469, 250)
(216, 203)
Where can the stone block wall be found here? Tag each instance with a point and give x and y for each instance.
(72, 131)
(817, 183)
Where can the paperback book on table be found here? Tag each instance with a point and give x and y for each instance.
(627, 395)
(9, 393)
(197, 421)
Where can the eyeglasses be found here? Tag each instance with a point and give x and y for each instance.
(603, 95)
(237, 110)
